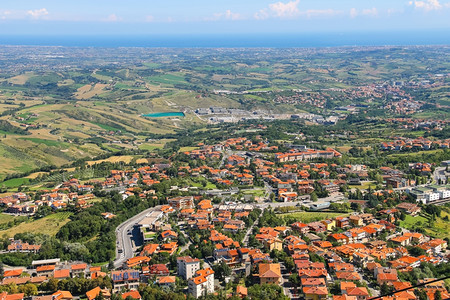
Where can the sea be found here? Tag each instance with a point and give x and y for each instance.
(334, 39)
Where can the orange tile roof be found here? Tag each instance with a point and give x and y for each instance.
(132, 294)
(315, 290)
(269, 270)
(92, 294)
(62, 295)
(166, 279)
(64, 273)
(45, 268)
(13, 273)
(79, 267)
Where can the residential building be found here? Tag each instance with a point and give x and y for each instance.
(125, 279)
(180, 203)
(202, 283)
(269, 273)
(167, 281)
(187, 266)
(385, 275)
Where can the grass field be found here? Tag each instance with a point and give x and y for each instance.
(106, 127)
(45, 142)
(15, 182)
(187, 149)
(151, 147)
(364, 186)
(411, 221)
(5, 218)
(306, 217)
(209, 185)
(168, 79)
(440, 228)
(418, 154)
(49, 225)
(256, 193)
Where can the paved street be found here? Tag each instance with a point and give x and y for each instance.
(189, 241)
(124, 245)
(249, 231)
(288, 288)
(439, 174)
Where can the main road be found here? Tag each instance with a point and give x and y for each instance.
(439, 174)
(124, 246)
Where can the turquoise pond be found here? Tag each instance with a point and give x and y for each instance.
(165, 114)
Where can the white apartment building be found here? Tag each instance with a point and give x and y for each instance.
(202, 284)
(187, 266)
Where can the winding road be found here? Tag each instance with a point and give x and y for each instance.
(124, 245)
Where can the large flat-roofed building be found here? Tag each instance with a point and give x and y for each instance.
(147, 225)
(45, 262)
(442, 190)
(306, 155)
(427, 194)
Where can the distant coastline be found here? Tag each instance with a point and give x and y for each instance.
(398, 38)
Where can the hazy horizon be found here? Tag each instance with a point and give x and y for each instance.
(201, 17)
(318, 39)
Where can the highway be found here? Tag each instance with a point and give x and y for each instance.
(124, 241)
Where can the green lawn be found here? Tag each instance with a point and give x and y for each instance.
(440, 228)
(364, 186)
(306, 216)
(256, 193)
(15, 182)
(150, 235)
(411, 221)
(209, 185)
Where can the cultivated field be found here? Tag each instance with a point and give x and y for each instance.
(48, 225)
(113, 159)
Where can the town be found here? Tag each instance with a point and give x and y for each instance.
(240, 218)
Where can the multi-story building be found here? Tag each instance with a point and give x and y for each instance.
(187, 266)
(181, 202)
(125, 279)
(202, 284)
(147, 225)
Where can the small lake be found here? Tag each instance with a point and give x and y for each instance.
(164, 114)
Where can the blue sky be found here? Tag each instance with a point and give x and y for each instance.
(35, 17)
